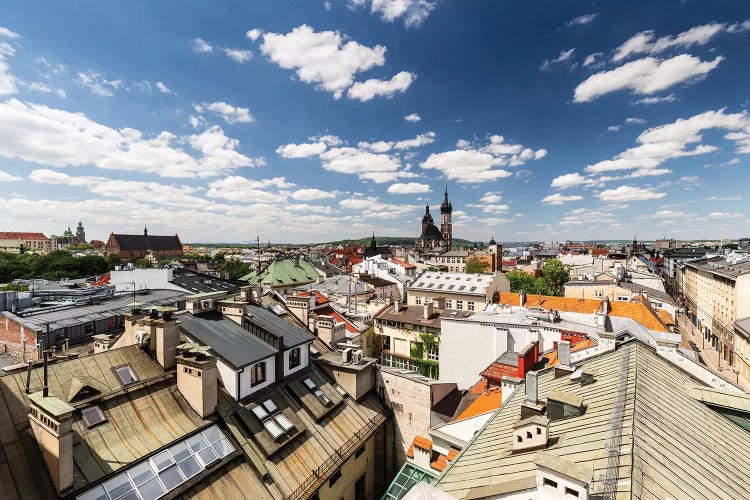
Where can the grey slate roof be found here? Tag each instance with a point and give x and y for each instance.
(196, 282)
(226, 338)
(140, 242)
(267, 320)
(671, 445)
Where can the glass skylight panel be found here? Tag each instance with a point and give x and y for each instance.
(196, 443)
(462, 287)
(284, 422)
(322, 397)
(222, 447)
(212, 434)
(310, 384)
(141, 473)
(207, 456)
(126, 374)
(171, 478)
(270, 406)
(92, 416)
(118, 486)
(94, 494)
(162, 461)
(151, 489)
(190, 467)
(273, 428)
(180, 451)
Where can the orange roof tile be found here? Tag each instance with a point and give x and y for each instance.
(13, 235)
(403, 264)
(410, 451)
(330, 311)
(577, 345)
(638, 311)
(567, 304)
(423, 443)
(452, 454)
(665, 317)
(479, 387)
(488, 401)
(320, 299)
(440, 463)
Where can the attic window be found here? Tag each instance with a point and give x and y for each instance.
(317, 392)
(275, 422)
(92, 416)
(125, 374)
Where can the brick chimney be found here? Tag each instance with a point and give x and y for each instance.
(167, 336)
(196, 381)
(51, 421)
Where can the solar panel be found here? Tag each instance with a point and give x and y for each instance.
(92, 416)
(273, 428)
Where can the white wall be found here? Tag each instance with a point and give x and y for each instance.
(246, 389)
(228, 377)
(304, 356)
(152, 279)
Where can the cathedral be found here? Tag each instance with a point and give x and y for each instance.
(433, 240)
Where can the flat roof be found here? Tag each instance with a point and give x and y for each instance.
(226, 338)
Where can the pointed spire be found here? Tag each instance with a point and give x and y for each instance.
(145, 231)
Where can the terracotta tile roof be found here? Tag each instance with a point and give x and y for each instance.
(422, 443)
(12, 235)
(665, 317)
(440, 463)
(452, 454)
(320, 299)
(479, 387)
(567, 304)
(410, 451)
(403, 264)
(488, 401)
(639, 311)
(577, 345)
(330, 311)
(496, 370)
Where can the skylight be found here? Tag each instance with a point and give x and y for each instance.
(92, 416)
(126, 374)
(316, 391)
(275, 422)
(165, 471)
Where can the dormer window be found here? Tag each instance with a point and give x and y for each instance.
(258, 373)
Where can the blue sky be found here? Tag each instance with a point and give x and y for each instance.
(310, 121)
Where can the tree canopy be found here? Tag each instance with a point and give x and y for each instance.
(552, 281)
(52, 266)
(476, 265)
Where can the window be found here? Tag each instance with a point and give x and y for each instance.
(459, 304)
(359, 488)
(294, 357)
(334, 477)
(519, 439)
(470, 306)
(538, 430)
(92, 416)
(126, 374)
(273, 420)
(316, 391)
(258, 373)
(528, 435)
(598, 293)
(549, 482)
(419, 301)
(571, 492)
(448, 304)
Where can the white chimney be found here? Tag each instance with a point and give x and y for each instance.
(563, 352)
(522, 299)
(428, 309)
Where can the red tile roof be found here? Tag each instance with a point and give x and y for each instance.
(488, 401)
(403, 264)
(422, 443)
(440, 463)
(330, 311)
(452, 454)
(410, 451)
(320, 299)
(11, 235)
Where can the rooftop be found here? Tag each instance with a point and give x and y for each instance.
(284, 272)
(671, 444)
(466, 284)
(272, 323)
(142, 242)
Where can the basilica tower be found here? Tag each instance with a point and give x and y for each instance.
(446, 226)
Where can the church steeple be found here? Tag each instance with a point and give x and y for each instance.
(145, 231)
(446, 207)
(373, 243)
(446, 225)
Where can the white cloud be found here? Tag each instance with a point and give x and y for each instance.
(304, 207)
(378, 168)
(559, 199)
(414, 12)
(373, 208)
(724, 198)
(408, 188)
(594, 60)
(491, 197)
(659, 144)
(312, 194)
(241, 189)
(369, 89)
(613, 128)
(202, 46)
(634, 121)
(238, 55)
(330, 140)
(99, 85)
(666, 214)
(414, 118)
(629, 193)
(7, 80)
(580, 216)
(5, 32)
(657, 100)
(644, 42)
(645, 76)
(566, 181)
(562, 57)
(470, 164)
(725, 215)
(162, 88)
(301, 150)
(418, 141)
(6, 177)
(44, 135)
(327, 5)
(254, 34)
(324, 58)
(47, 89)
(581, 20)
(230, 114)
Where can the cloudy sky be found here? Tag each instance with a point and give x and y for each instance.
(311, 120)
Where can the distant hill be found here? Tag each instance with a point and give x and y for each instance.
(393, 240)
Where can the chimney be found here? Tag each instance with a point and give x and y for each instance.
(522, 299)
(563, 368)
(532, 406)
(51, 421)
(530, 433)
(167, 338)
(196, 381)
(428, 310)
(422, 452)
(439, 302)
(329, 331)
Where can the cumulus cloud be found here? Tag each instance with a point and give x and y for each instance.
(230, 114)
(580, 216)
(311, 194)
(593, 60)
(566, 181)
(43, 87)
(98, 84)
(413, 118)
(6, 177)
(369, 89)
(163, 88)
(201, 46)
(373, 208)
(408, 188)
(562, 57)
(413, 12)
(630, 193)
(646, 43)
(473, 164)
(582, 20)
(491, 197)
(7, 80)
(238, 55)
(6, 33)
(54, 137)
(304, 150)
(378, 168)
(645, 76)
(725, 215)
(254, 34)
(559, 199)
(241, 189)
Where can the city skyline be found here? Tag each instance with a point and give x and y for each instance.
(324, 121)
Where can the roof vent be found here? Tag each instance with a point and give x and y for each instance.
(530, 433)
(561, 405)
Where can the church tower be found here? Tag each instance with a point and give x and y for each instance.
(80, 233)
(446, 226)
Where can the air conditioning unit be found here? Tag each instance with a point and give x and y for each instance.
(357, 356)
(346, 355)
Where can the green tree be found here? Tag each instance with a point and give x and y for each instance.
(235, 268)
(113, 260)
(523, 282)
(142, 263)
(476, 265)
(556, 274)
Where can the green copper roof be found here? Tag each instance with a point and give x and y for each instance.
(52, 405)
(284, 273)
